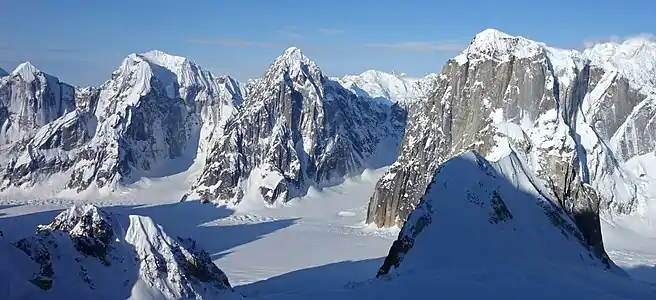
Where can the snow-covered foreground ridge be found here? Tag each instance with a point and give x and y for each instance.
(487, 228)
(86, 252)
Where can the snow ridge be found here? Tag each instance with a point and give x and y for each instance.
(85, 252)
(500, 211)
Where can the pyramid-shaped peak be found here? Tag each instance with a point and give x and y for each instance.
(27, 71)
(294, 55)
(295, 61)
(293, 52)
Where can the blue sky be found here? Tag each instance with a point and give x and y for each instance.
(83, 41)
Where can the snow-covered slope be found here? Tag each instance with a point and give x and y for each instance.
(30, 99)
(297, 129)
(154, 117)
(486, 229)
(491, 216)
(86, 252)
(567, 117)
(381, 86)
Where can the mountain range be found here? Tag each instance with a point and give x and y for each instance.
(571, 132)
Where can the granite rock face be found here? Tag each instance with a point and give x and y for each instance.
(570, 115)
(298, 129)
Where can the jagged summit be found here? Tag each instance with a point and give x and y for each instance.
(293, 62)
(27, 71)
(495, 44)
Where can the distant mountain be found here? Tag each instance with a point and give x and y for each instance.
(572, 116)
(297, 129)
(382, 86)
(86, 252)
(3, 72)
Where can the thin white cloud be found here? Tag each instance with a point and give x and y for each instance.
(439, 46)
(331, 31)
(230, 42)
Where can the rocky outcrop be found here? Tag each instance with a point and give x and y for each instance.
(84, 251)
(482, 216)
(297, 129)
(509, 93)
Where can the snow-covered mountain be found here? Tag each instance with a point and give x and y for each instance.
(86, 252)
(30, 99)
(382, 86)
(155, 115)
(297, 129)
(572, 118)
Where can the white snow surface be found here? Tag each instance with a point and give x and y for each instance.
(634, 58)
(318, 247)
(381, 86)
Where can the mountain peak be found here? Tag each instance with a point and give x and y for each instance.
(493, 43)
(163, 59)
(293, 60)
(27, 71)
(493, 34)
(3, 72)
(294, 56)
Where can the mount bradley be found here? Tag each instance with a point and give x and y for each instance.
(298, 129)
(571, 116)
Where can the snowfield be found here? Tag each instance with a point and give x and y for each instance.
(318, 247)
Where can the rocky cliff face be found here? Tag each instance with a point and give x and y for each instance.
(508, 93)
(297, 129)
(152, 118)
(86, 252)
